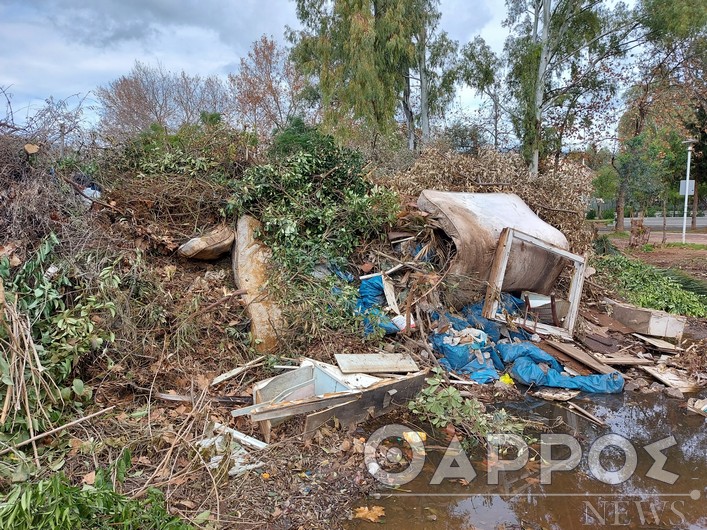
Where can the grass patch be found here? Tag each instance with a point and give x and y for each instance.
(689, 246)
(619, 235)
(648, 286)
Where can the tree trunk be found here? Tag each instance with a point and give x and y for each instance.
(409, 116)
(540, 85)
(665, 221)
(496, 118)
(620, 201)
(695, 204)
(424, 88)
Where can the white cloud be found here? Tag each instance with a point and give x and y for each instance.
(63, 47)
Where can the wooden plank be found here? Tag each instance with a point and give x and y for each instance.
(596, 346)
(575, 294)
(498, 271)
(547, 246)
(606, 321)
(389, 291)
(544, 330)
(659, 344)
(375, 363)
(670, 378)
(623, 360)
(287, 409)
(239, 370)
(565, 360)
(374, 402)
(583, 357)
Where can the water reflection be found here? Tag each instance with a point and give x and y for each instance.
(575, 499)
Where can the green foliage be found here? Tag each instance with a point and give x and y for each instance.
(441, 405)
(315, 205)
(56, 504)
(647, 286)
(59, 309)
(294, 138)
(606, 183)
(591, 215)
(690, 246)
(211, 149)
(315, 307)
(687, 282)
(603, 246)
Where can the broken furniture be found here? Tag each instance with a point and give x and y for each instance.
(474, 222)
(648, 321)
(499, 270)
(323, 392)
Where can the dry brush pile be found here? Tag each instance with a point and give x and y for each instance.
(557, 196)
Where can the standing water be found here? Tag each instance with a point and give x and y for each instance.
(602, 491)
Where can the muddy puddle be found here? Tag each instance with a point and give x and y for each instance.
(671, 495)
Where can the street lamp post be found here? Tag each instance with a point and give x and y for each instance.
(689, 142)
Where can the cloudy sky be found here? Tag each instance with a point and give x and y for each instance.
(64, 47)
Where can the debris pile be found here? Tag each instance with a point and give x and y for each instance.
(557, 196)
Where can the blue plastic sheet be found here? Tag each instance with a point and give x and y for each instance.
(528, 372)
(524, 358)
(512, 352)
(463, 359)
(371, 297)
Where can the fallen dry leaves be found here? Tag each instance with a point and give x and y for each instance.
(372, 514)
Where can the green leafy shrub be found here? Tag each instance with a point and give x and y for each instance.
(647, 286)
(55, 504)
(316, 204)
(441, 405)
(59, 311)
(211, 149)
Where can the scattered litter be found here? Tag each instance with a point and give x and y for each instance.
(698, 405)
(317, 386)
(224, 443)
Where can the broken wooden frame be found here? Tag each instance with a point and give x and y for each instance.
(321, 392)
(498, 271)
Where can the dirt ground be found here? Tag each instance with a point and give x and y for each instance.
(691, 261)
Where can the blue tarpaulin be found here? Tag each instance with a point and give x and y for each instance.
(528, 372)
(524, 358)
(371, 298)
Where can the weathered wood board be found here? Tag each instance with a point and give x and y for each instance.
(659, 344)
(606, 321)
(374, 402)
(582, 356)
(670, 378)
(375, 363)
(624, 360)
(565, 360)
